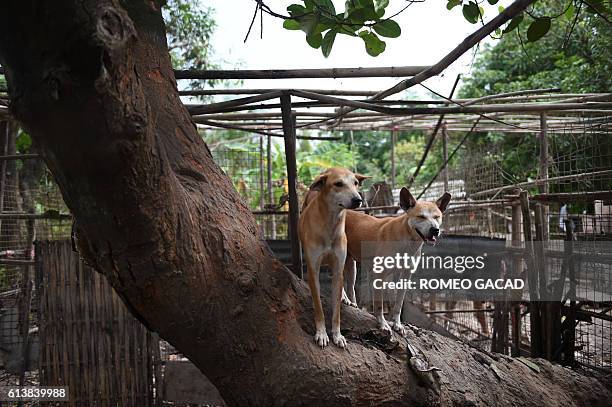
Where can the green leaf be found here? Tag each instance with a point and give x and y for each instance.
(326, 5)
(569, 13)
(492, 2)
(452, 4)
(538, 28)
(471, 12)
(374, 45)
(291, 24)
(314, 40)
(308, 23)
(380, 6)
(328, 42)
(296, 9)
(388, 28)
(513, 23)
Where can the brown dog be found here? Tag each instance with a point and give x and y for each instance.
(419, 224)
(321, 231)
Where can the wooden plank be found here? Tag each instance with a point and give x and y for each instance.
(83, 315)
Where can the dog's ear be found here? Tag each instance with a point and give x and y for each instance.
(443, 201)
(407, 201)
(361, 178)
(319, 182)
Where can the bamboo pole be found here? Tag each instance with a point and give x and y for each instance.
(542, 181)
(214, 107)
(393, 141)
(294, 211)
(544, 158)
(210, 92)
(375, 72)
(18, 157)
(270, 191)
(445, 157)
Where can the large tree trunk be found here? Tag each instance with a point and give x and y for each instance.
(92, 82)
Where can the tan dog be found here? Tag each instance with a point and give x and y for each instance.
(321, 231)
(419, 224)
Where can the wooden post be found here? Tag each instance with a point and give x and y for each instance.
(261, 174)
(393, 140)
(569, 332)
(544, 160)
(540, 265)
(445, 156)
(517, 269)
(270, 191)
(263, 224)
(534, 305)
(294, 210)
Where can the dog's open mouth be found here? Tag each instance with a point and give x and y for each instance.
(432, 240)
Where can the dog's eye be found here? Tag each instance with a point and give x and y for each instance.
(422, 217)
(339, 183)
(356, 183)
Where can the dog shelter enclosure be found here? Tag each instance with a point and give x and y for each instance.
(560, 195)
(572, 157)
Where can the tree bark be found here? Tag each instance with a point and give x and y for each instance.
(92, 83)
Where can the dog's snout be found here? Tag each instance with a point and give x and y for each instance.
(434, 231)
(356, 202)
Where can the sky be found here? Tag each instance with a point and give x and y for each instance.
(429, 31)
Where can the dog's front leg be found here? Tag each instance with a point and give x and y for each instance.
(313, 265)
(378, 298)
(350, 273)
(337, 288)
(398, 303)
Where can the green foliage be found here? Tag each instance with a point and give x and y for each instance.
(580, 62)
(361, 19)
(189, 28)
(576, 63)
(321, 22)
(23, 142)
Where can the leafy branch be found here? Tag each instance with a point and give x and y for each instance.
(365, 19)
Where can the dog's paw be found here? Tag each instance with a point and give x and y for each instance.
(399, 328)
(345, 298)
(321, 338)
(384, 326)
(339, 340)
